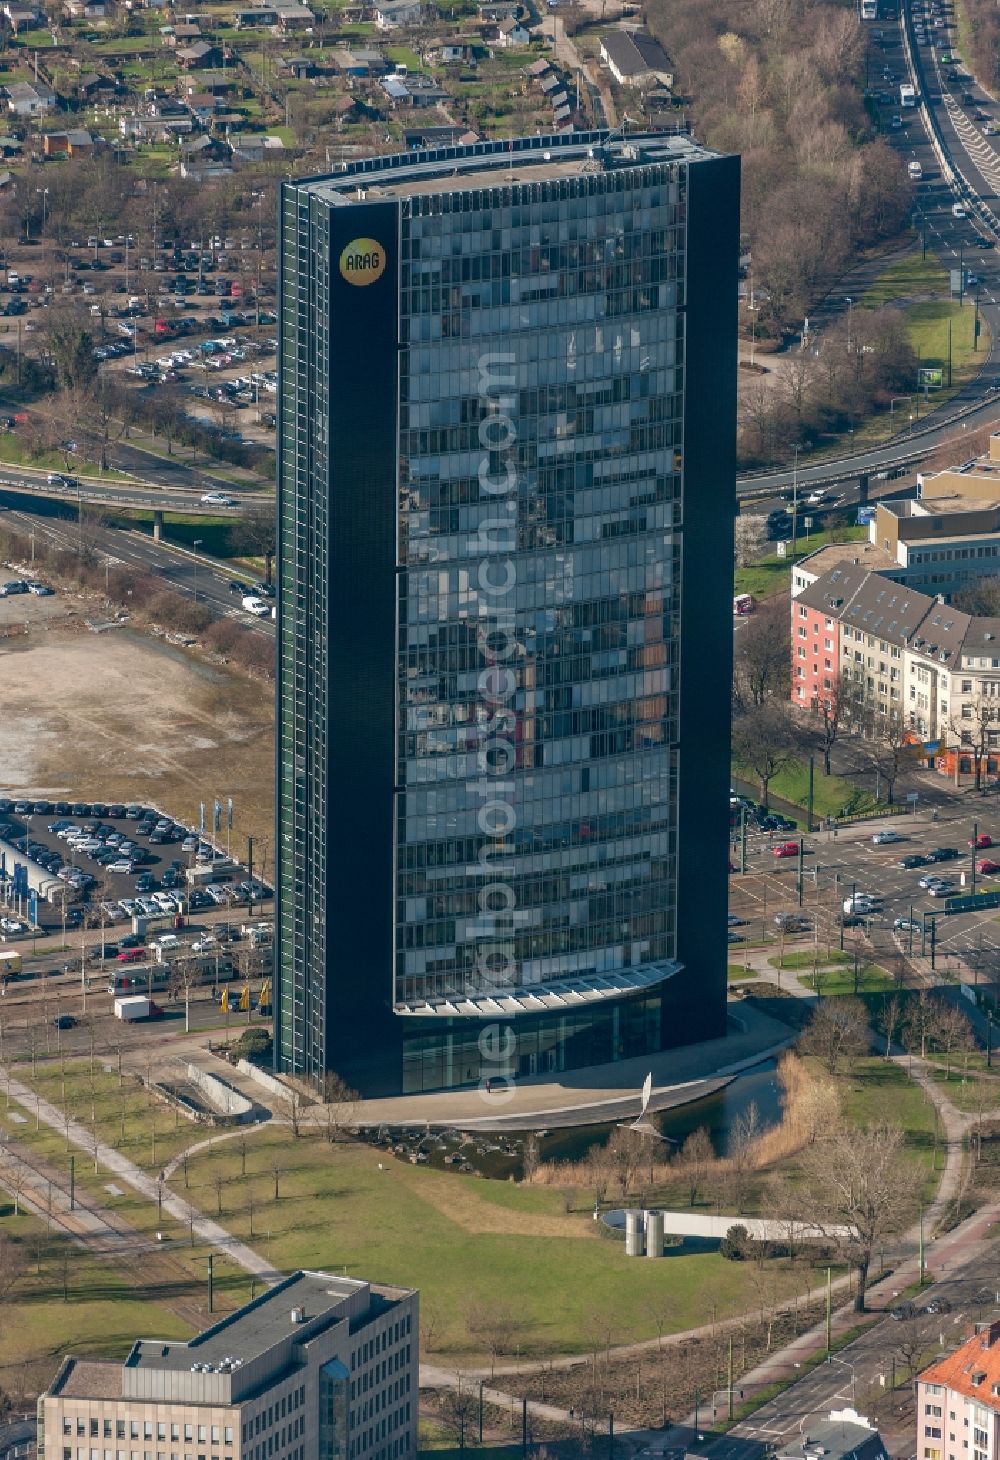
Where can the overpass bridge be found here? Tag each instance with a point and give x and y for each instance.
(120, 493)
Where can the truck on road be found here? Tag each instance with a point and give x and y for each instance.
(10, 963)
(134, 1008)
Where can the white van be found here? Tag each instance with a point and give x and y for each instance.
(915, 170)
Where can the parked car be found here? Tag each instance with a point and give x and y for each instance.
(943, 854)
(982, 840)
(786, 849)
(986, 867)
(906, 925)
(886, 838)
(913, 860)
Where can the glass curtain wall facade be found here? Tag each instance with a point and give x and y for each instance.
(498, 543)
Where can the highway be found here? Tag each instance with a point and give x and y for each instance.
(144, 493)
(957, 242)
(186, 572)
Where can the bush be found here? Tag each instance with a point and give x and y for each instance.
(253, 1044)
(735, 1245)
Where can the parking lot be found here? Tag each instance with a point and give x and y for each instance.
(845, 864)
(121, 860)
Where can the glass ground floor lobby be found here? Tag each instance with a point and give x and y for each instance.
(443, 1051)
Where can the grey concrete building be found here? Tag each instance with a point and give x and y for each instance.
(316, 1368)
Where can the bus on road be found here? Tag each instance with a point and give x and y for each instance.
(869, 9)
(907, 95)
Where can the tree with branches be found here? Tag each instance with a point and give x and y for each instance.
(837, 1030)
(764, 742)
(856, 1183)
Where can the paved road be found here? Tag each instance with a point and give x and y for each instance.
(834, 866)
(955, 241)
(190, 573)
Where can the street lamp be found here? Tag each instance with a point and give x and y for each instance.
(196, 545)
(832, 1359)
(45, 195)
(850, 304)
(892, 407)
(795, 492)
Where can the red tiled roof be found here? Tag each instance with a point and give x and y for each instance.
(978, 1359)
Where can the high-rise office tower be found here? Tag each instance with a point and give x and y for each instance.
(506, 495)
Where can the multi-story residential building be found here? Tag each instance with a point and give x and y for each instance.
(506, 479)
(958, 1401)
(316, 1368)
(908, 657)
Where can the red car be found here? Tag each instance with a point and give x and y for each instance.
(130, 955)
(986, 866)
(982, 840)
(787, 849)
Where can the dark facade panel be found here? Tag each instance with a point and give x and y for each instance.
(507, 410)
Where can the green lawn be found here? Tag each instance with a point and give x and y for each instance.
(928, 326)
(737, 971)
(910, 278)
(871, 980)
(464, 1241)
(122, 1113)
(923, 289)
(103, 1315)
(14, 454)
(403, 56)
(773, 575)
(806, 959)
(831, 794)
(460, 1239)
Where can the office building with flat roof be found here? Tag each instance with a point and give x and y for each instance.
(506, 471)
(316, 1368)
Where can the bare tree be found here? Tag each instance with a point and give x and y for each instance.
(219, 1183)
(530, 1157)
(763, 658)
(838, 1029)
(887, 748)
(856, 1183)
(341, 1104)
(764, 743)
(974, 727)
(458, 1411)
(598, 1168)
(950, 1030)
(496, 1327)
(695, 1157)
(832, 709)
(890, 1020)
(745, 1134)
(626, 1149)
(750, 538)
(12, 1266)
(918, 1023)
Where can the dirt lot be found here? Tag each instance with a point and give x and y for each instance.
(121, 716)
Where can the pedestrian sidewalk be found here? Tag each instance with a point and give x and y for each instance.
(597, 1094)
(114, 1163)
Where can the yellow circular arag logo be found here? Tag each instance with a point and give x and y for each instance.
(363, 261)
